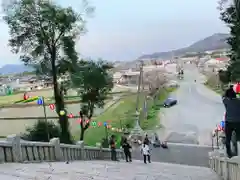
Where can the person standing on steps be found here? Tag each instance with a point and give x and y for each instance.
(146, 140)
(229, 93)
(145, 150)
(127, 150)
(113, 148)
(232, 118)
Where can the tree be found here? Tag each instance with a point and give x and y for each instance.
(224, 76)
(155, 80)
(42, 131)
(230, 15)
(93, 81)
(45, 35)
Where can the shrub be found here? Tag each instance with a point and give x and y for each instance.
(42, 131)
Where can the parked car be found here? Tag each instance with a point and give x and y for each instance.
(169, 102)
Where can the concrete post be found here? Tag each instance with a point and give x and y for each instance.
(57, 149)
(83, 154)
(101, 155)
(16, 147)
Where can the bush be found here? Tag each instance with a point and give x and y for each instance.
(40, 131)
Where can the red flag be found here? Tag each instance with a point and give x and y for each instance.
(52, 106)
(70, 115)
(79, 121)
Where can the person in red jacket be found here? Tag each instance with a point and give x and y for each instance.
(25, 96)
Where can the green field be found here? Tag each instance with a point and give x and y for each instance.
(119, 115)
(152, 120)
(122, 115)
(6, 101)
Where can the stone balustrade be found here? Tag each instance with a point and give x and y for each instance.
(16, 150)
(228, 169)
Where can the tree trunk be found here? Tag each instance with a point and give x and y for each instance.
(82, 133)
(63, 120)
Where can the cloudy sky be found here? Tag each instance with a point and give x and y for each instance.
(126, 29)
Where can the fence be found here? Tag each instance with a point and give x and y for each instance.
(16, 150)
(228, 169)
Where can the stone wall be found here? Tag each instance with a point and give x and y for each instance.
(16, 150)
(227, 169)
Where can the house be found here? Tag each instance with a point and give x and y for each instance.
(129, 77)
(117, 76)
(217, 61)
(215, 64)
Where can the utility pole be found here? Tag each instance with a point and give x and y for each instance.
(140, 80)
(137, 131)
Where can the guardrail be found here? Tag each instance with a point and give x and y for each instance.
(16, 150)
(228, 169)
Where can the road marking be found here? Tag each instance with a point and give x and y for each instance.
(191, 145)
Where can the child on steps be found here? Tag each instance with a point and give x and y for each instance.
(145, 150)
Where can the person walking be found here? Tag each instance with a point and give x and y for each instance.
(113, 148)
(127, 150)
(145, 150)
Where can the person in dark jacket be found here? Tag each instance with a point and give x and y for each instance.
(146, 140)
(122, 140)
(230, 93)
(112, 144)
(127, 150)
(232, 119)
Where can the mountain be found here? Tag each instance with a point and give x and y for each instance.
(14, 69)
(214, 42)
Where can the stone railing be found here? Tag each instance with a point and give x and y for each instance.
(16, 150)
(228, 169)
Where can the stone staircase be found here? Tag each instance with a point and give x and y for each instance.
(22, 160)
(104, 170)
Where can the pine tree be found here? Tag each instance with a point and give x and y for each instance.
(230, 16)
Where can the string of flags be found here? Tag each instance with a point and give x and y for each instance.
(93, 124)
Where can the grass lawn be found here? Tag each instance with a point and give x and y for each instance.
(122, 114)
(119, 115)
(47, 93)
(10, 99)
(151, 121)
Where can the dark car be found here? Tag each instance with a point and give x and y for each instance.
(169, 102)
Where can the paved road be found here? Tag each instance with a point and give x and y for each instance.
(197, 113)
(189, 122)
(104, 170)
(192, 155)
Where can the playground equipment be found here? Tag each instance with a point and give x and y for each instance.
(6, 90)
(27, 99)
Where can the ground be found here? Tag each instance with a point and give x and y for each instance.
(118, 115)
(197, 113)
(193, 155)
(15, 97)
(188, 125)
(104, 170)
(122, 115)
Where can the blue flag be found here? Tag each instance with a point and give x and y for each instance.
(222, 124)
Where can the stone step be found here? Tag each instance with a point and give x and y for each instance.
(104, 170)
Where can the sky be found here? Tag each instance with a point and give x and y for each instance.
(123, 30)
